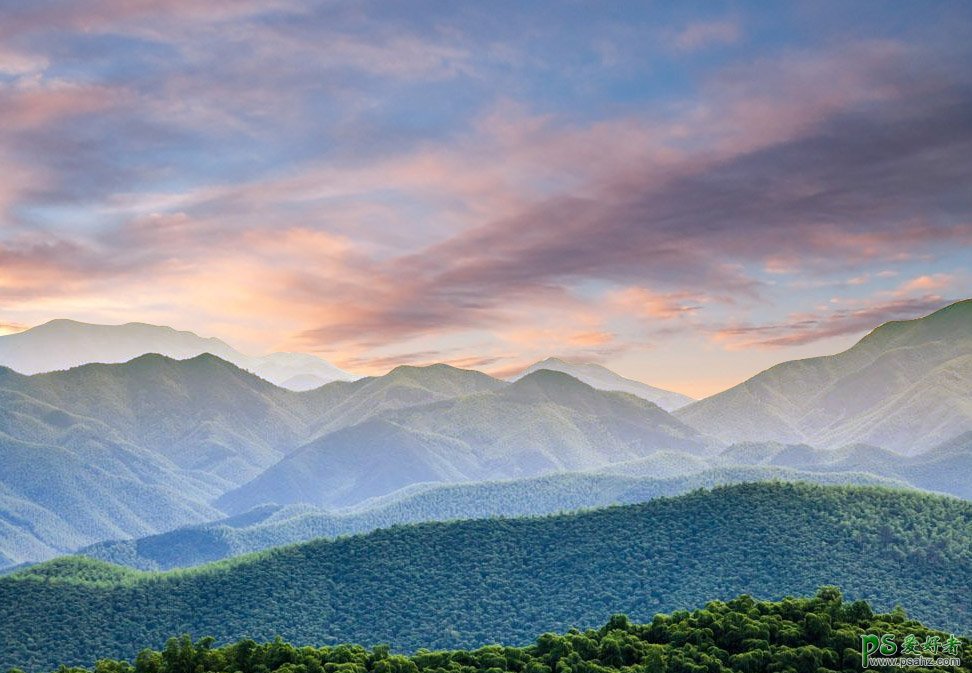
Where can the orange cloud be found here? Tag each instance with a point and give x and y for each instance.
(927, 283)
(658, 305)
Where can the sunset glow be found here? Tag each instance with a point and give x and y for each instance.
(686, 194)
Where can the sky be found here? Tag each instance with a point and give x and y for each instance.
(687, 193)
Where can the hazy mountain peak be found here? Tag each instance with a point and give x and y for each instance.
(550, 379)
(435, 367)
(62, 344)
(551, 361)
(602, 378)
(439, 372)
(556, 386)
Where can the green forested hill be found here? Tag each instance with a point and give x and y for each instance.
(469, 583)
(796, 634)
(273, 525)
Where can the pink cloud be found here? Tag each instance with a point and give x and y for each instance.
(35, 104)
(771, 169)
(656, 305)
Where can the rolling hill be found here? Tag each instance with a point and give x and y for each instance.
(906, 386)
(64, 344)
(545, 422)
(275, 525)
(465, 584)
(602, 378)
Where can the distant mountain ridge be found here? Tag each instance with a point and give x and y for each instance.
(105, 451)
(944, 469)
(545, 422)
(63, 344)
(602, 378)
(130, 450)
(906, 386)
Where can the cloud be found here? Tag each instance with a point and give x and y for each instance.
(18, 63)
(805, 328)
(419, 358)
(11, 327)
(662, 306)
(849, 191)
(927, 283)
(625, 203)
(301, 164)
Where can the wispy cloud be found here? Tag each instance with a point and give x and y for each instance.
(386, 186)
(805, 328)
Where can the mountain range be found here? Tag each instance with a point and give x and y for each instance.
(63, 344)
(133, 450)
(944, 469)
(544, 422)
(106, 451)
(269, 526)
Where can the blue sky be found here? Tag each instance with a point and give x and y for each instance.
(685, 192)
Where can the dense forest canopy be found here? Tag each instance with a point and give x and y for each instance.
(794, 635)
(466, 584)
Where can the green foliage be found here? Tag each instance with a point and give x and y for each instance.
(741, 635)
(465, 584)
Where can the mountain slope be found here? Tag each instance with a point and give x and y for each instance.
(545, 422)
(274, 525)
(203, 414)
(63, 344)
(906, 386)
(469, 583)
(402, 387)
(106, 451)
(133, 449)
(55, 498)
(602, 378)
